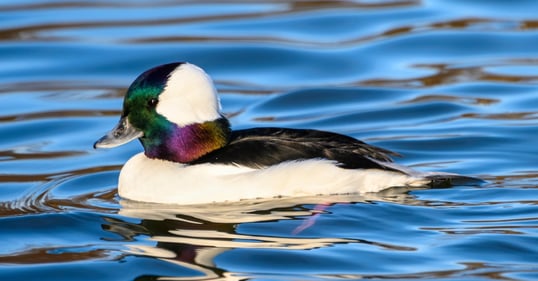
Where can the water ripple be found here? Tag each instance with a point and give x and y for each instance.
(40, 199)
(451, 85)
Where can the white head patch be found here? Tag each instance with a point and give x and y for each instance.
(189, 97)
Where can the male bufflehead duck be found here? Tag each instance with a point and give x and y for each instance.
(192, 156)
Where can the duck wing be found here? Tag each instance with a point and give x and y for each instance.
(262, 147)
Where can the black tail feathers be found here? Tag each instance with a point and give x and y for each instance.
(449, 180)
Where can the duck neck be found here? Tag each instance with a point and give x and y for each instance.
(187, 143)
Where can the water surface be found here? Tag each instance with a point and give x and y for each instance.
(451, 85)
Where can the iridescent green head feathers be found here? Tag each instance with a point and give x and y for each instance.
(175, 112)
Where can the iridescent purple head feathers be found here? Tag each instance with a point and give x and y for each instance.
(175, 112)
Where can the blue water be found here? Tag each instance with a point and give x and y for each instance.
(451, 85)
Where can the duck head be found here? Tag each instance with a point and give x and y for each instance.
(174, 110)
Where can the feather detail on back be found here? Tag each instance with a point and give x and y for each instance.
(262, 147)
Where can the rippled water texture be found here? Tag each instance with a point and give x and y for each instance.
(451, 85)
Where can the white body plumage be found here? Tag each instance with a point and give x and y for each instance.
(159, 181)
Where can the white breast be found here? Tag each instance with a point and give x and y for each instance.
(158, 181)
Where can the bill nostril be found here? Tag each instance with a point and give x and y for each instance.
(119, 131)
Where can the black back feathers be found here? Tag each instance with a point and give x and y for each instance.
(262, 147)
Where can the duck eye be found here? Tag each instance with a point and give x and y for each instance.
(152, 102)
